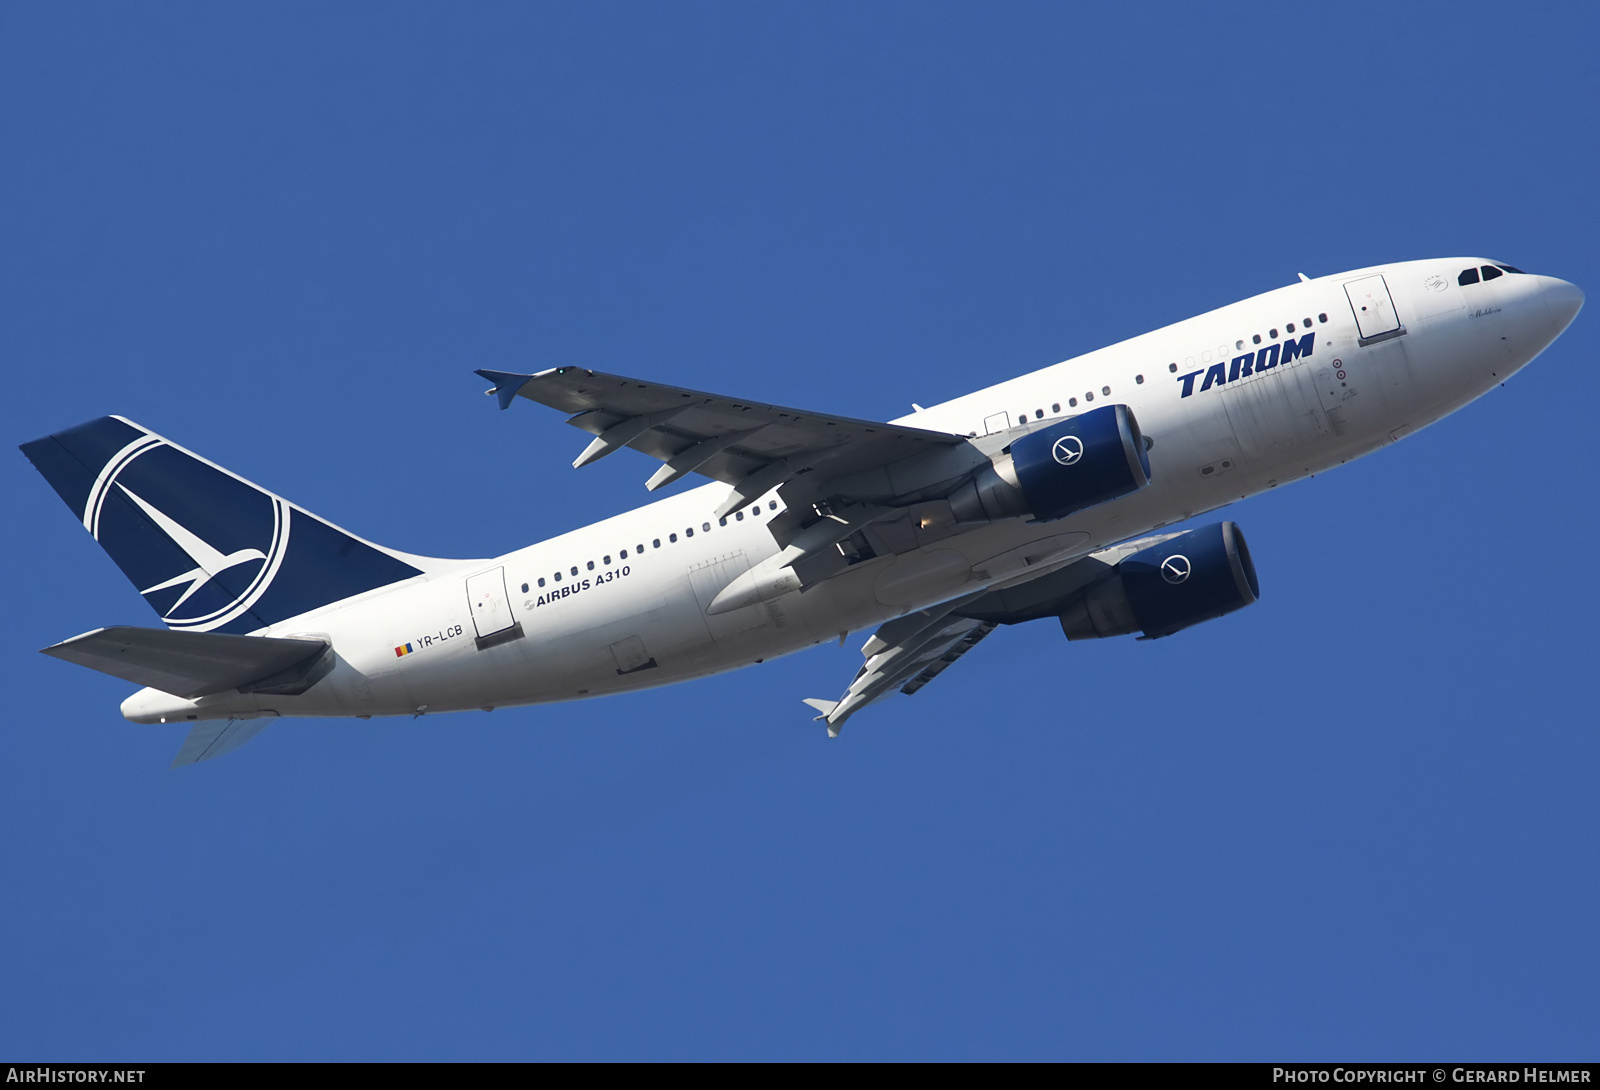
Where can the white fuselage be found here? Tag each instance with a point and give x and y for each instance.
(644, 578)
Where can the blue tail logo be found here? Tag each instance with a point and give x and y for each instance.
(209, 551)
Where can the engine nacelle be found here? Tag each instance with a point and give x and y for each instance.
(1056, 471)
(1166, 588)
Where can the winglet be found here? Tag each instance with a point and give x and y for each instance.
(826, 708)
(506, 385)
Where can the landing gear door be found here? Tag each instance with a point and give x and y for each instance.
(491, 610)
(1374, 309)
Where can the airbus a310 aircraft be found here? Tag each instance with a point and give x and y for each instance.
(1023, 501)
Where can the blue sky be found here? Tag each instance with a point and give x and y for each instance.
(1355, 820)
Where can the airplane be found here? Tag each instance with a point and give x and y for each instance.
(1041, 497)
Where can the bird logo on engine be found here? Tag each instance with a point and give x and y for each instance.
(1175, 568)
(1067, 450)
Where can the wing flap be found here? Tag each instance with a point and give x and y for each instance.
(951, 653)
(194, 664)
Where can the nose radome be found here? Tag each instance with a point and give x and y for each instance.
(1562, 300)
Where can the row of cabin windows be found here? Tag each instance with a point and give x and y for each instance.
(1105, 391)
(1488, 272)
(1072, 402)
(655, 543)
(1272, 334)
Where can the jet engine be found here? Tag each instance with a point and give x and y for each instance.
(1056, 471)
(1168, 587)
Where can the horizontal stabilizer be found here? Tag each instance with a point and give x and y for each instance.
(194, 664)
(208, 740)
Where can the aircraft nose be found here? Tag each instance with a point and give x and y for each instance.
(1562, 300)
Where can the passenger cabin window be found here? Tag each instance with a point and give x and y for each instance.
(524, 588)
(1089, 396)
(1490, 272)
(574, 569)
(1056, 407)
(1073, 402)
(1256, 339)
(1468, 276)
(1320, 318)
(558, 577)
(1173, 368)
(541, 580)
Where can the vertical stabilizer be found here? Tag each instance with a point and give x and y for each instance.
(208, 550)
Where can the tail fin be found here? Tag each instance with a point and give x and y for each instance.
(209, 551)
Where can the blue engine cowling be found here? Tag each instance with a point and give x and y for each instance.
(1168, 587)
(1054, 472)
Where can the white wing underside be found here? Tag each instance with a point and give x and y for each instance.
(905, 654)
(908, 652)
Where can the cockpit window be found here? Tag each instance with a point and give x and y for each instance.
(1509, 269)
(1490, 272)
(1468, 276)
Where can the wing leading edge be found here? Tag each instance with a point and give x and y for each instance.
(752, 446)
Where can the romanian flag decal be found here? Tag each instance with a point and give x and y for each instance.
(403, 650)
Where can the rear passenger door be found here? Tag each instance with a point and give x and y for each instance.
(491, 610)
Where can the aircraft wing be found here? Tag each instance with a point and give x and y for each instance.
(752, 446)
(910, 651)
(905, 654)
